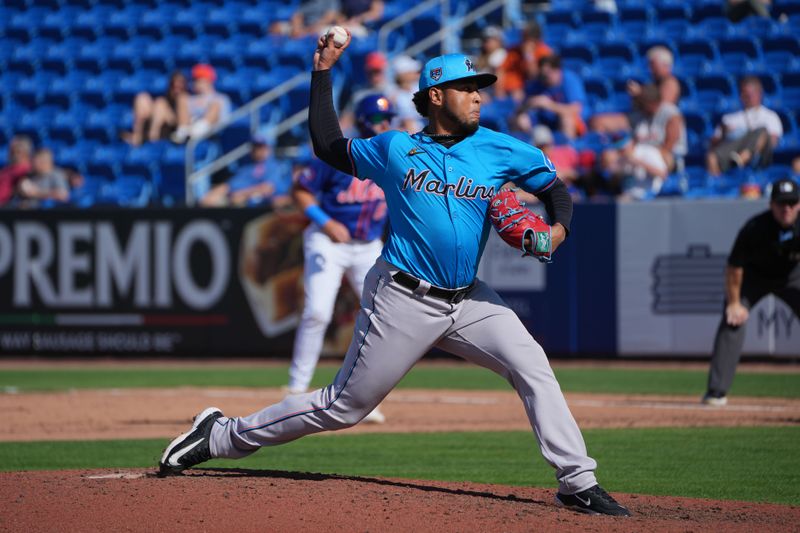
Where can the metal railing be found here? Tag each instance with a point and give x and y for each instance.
(252, 108)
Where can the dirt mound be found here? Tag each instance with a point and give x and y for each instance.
(252, 500)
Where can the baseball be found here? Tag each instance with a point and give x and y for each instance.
(339, 35)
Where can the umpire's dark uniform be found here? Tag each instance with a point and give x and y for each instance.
(768, 254)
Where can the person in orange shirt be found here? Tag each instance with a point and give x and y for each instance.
(522, 63)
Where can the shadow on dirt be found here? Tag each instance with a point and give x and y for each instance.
(311, 476)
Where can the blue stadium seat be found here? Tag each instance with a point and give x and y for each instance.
(100, 127)
(154, 23)
(672, 11)
(56, 24)
(584, 53)
(93, 57)
(126, 55)
(781, 52)
(122, 23)
(698, 128)
(192, 52)
(95, 92)
(707, 9)
(720, 83)
(567, 17)
(158, 55)
(62, 91)
(187, 23)
(221, 21)
(259, 54)
(421, 28)
(90, 24)
(64, 128)
(295, 100)
(713, 28)
(790, 87)
(29, 92)
(254, 20)
(228, 54)
(733, 48)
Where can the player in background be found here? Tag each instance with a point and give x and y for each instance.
(347, 221)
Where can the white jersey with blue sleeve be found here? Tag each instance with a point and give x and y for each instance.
(438, 197)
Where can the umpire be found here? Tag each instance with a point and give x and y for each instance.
(765, 259)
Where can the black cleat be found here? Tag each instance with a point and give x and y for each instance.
(593, 500)
(191, 448)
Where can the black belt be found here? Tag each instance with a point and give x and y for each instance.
(449, 295)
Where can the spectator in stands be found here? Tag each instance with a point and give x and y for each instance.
(19, 166)
(376, 68)
(357, 15)
(522, 63)
(46, 182)
(493, 54)
(737, 10)
(640, 166)
(260, 183)
(556, 99)
(564, 156)
(310, 17)
(660, 61)
(154, 120)
(313, 17)
(205, 108)
(406, 77)
(746, 137)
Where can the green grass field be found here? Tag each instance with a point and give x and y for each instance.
(755, 464)
(467, 377)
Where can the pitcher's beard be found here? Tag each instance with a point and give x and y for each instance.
(463, 127)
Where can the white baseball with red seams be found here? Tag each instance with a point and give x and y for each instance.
(339, 35)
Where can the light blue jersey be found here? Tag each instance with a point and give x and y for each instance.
(438, 197)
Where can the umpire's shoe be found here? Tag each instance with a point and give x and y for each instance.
(593, 500)
(192, 447)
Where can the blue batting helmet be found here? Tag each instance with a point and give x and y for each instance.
(370, 110)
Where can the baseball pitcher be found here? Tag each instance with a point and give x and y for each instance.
(442, 191)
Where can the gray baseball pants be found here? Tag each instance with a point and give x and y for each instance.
(729, 340)
(394, 329)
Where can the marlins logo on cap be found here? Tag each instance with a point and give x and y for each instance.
(451, 67)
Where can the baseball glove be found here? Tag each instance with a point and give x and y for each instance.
(515, 223)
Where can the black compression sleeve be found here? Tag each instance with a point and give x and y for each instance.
(323, 124)
(558, 204)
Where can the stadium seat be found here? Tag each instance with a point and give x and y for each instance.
(186, 23)
(90, 23)
(190, 53)
(221, 21)
(154, 23)
(158, 55)
(707, 9)
(126, 55)
(698, 128)
(254, 20)
(63, 128)
(583, 53)
(790, 84)
(566, 17)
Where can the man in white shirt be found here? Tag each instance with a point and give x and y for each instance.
(746, 137)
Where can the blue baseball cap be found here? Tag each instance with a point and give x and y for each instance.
(451, 67)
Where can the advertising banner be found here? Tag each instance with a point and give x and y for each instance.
(183, 281)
